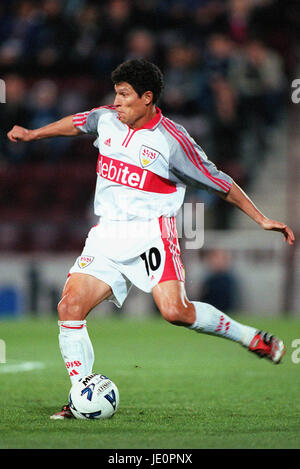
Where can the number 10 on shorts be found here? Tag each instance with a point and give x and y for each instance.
(152, 260)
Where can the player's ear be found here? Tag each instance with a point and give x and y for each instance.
(148, 97)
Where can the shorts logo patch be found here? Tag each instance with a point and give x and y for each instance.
(84, 261)
(148, 156)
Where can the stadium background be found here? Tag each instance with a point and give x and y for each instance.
(228, 69)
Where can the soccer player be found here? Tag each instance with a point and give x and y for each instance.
(145, 163)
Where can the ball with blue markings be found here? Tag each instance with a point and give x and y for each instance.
(94, 397)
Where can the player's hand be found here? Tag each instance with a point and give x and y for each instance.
(274, 225)
(18, 133)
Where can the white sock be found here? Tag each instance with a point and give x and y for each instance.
(76, 349)
(210, 320)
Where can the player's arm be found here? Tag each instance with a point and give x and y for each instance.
(63, 127)
(190, 165)
(237, 197)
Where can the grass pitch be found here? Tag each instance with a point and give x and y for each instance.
(178, 389)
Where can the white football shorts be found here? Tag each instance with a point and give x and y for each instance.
(123, 254)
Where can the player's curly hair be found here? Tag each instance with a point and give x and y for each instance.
(141, 75)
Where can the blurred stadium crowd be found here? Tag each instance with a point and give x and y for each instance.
(227, 66)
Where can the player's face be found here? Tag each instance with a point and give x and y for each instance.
(131, 108)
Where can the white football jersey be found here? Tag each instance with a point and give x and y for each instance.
(143, 173)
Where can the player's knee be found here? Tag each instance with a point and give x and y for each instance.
(70, 308)
(177, 314)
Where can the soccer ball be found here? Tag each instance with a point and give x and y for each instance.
(94, 397)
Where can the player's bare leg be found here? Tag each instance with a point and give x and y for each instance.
(82, 292)
(171, 299)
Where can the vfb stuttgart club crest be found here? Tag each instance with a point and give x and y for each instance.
(148, 156)
(84, 261)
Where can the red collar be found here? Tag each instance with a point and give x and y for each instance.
(152, 123)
